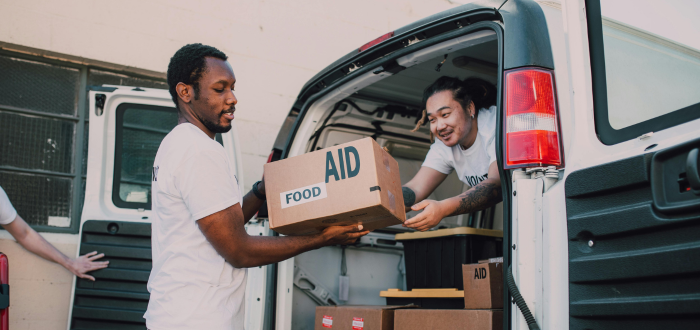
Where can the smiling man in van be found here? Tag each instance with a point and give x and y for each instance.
(462, 115)
(199, 244)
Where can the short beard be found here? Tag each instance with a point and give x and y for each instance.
(214, 127)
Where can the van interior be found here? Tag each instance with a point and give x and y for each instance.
(386, 106)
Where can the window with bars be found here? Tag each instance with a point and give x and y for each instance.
(44, 135)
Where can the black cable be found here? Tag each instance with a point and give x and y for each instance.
(365, 112)
(317, 134)
(531, 322)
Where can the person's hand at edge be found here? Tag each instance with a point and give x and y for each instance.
(86, 263)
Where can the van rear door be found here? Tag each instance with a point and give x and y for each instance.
(632, 198)
(126, 126)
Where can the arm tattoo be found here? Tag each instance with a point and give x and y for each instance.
(481, 196)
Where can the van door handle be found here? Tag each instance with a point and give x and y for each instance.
(691, 171)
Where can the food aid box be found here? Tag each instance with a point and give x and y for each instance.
(483, 285)
(355, 317)
(352, 183)
(447, 319)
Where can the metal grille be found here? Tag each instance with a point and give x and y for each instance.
(38, 197)
(98, 78)
(36, 143)
(39, 86)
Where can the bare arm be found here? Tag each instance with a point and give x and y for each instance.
(484, 195)
(35, 243)
(424, 183)
(226, 232)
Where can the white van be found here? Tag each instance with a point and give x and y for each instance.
(598, 137)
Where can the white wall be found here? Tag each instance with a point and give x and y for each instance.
(274, 47)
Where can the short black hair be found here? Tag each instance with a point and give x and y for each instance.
(187, 66)
(476, 90)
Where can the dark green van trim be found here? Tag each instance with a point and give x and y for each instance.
(606, 133)
(526, 36)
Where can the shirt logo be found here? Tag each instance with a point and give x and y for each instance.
(474, 180)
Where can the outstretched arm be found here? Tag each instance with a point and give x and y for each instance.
(35, 243)
(226, 232)
(484, 195)
(422, 185)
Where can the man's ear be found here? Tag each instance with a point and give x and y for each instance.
(184, 92)
(471, 111)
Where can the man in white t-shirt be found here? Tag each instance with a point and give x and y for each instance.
(462, 116)
(35, 243)
(199, 244)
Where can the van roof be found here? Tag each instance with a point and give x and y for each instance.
(404, 33)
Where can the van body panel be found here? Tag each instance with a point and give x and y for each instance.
(630, 264)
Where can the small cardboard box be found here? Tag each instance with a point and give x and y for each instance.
(483, 285)
(355, 317)
(352, 183)
(448, 319)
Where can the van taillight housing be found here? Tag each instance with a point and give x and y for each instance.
(532, 133)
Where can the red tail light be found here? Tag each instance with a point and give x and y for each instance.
(5, 292)
(376, 41)
(532, 120)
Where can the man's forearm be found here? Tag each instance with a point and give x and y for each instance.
(482, 196)
(260, 250)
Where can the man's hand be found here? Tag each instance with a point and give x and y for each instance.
(343, 235)
(433, 212)
(86, 263)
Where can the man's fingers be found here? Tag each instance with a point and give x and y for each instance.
(420, 205)
(87, 277)
(418, 218)
(95, 257)
(99, 265)
(91, 254)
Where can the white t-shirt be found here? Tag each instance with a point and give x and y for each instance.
(7, 211)
(191, 285)
(472, 165)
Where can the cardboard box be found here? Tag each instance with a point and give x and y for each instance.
(352, 183)
(483, 285)
(355, 317)
(448, 319)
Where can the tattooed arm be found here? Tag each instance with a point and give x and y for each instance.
(484, 195)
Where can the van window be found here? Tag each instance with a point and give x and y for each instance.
(140, 129)
(645, 64)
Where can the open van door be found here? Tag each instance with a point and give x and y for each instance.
(126, 126)
(632, 189)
